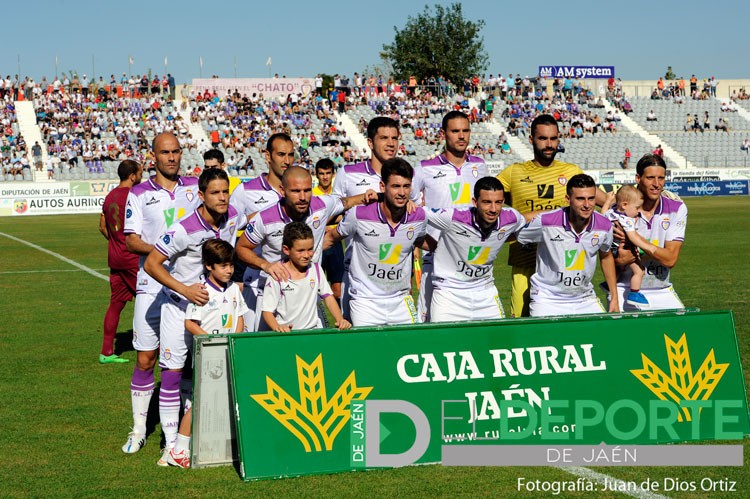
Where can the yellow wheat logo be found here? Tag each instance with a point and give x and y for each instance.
(682, 383)
(314, 417)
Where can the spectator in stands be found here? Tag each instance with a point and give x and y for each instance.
(746, 145)
(658, 151)
(722, 125)
(626, 160)
(695, 124)
(651, 116)
(706, 122)
(36, 152)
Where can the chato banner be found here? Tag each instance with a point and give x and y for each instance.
(323, 402)
(27, 198)
(269, 87)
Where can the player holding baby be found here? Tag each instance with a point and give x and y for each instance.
(624, 208)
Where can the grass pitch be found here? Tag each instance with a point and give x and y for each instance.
(64, 416)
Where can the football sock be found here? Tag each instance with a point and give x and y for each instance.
(141, 389)
(111, 320)
(182, 444)
(169, 405)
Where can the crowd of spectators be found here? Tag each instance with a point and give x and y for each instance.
(13, 149)
(85, 128)
(86, 122)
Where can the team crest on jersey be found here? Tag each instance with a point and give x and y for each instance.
(410, 233)
(312, 283)
(474, 171)
(316, 222)
(189, 194)
(501, 233)
(595, 239)
(665, 224)
(562, 180)
(167, 354)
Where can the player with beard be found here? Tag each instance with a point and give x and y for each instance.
(533, 187)
(266, 228)
(446, 182)
(153, 207)
(256, 195)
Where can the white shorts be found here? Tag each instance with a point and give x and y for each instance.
(146, 318)
(176, 341)
(658, 299)
(250, 295)
(424, 301)
(383, 311)
(544, 306)
(450, 305)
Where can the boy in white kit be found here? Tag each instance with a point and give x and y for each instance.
(222, 314)
(625, 211)
(293, 304)
(569, 240)
(463, 282)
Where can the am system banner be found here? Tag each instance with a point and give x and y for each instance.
(576, 72)
(322, 402)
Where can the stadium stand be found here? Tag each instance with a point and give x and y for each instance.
(85, 134)
(13, 148)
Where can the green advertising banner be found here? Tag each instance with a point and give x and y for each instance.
(328, 401)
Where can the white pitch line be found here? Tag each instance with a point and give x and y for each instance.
(58, 256)
(42, 271)
(612, 482)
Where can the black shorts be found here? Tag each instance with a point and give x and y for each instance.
(333, 263)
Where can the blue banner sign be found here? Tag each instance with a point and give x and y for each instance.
(709, 188)
(577, 72)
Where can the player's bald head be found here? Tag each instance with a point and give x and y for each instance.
(294, 173)
(164, 139)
